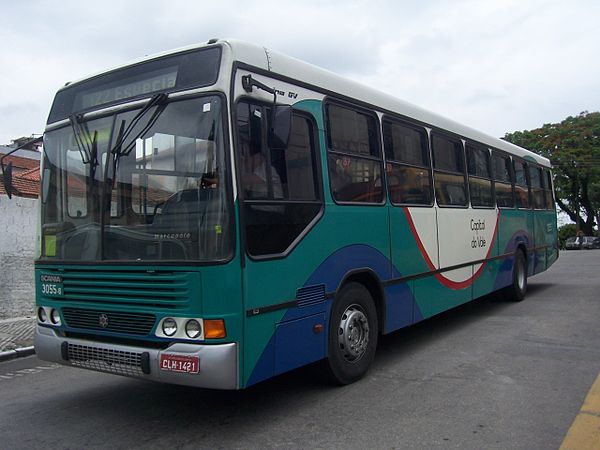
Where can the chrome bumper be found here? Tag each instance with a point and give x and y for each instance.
(218, 363)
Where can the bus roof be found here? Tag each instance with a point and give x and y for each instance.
(324, 80)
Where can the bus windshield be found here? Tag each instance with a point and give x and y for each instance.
(156, 193)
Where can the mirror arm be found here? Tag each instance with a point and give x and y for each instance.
(29, 142)
(248, 83)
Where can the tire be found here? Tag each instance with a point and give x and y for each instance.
(516, 292)
(353, 332)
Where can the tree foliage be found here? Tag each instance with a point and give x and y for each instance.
(573, 147)
(565, 232)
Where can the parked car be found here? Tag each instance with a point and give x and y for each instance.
(582, 242)
(573, 243)
(590, 242)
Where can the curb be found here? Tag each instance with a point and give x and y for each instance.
(17, 353)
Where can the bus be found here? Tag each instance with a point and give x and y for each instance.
(220, 214)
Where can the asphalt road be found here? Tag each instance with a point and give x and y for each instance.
(488, 375)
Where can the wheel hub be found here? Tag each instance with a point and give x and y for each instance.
(353, 333)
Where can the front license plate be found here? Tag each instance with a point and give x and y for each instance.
(179, 363)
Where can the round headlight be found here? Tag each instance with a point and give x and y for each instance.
(55, 316)
(42, 316)
(169, 327)
(193, 328)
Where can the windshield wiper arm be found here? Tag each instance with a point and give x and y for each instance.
(83, 142)
(158, 100)
(94, 156)
(117, 150)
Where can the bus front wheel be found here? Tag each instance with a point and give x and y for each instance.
(516, 291)
(353, 332)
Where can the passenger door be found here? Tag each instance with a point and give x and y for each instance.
(280, 202)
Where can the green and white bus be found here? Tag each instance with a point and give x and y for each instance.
(220, 214)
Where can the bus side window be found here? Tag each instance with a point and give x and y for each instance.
(521, 184)
(449, 171)
(407, 164)
(503, 180)
(480, 178)
(282, 193)
(548, 189)
(537, 190)
(354, 157)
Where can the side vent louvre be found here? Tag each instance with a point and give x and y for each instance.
(310, 295)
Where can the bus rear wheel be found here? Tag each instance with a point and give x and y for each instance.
(517, 290)
(353, 332)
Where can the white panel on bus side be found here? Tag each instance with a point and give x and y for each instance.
(465, 235)
(425, 227)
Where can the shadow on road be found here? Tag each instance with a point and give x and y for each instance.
(539, 287)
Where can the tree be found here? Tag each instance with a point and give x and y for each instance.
(573, 147)
(565, 232)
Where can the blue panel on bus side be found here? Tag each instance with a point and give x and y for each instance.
(504, 276)
(297, 344)
(330, 273)
(263, 369)
(401, 309)
(357, 256)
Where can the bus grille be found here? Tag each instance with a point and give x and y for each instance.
(139, 324)
(107, 360)
(164, 289)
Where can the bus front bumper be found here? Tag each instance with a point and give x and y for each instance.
(218, 364)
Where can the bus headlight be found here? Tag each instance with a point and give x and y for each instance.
(193, 328)
(55, 317)
(169, 327)
(42, 316)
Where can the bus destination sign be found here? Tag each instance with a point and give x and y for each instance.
(152, 82)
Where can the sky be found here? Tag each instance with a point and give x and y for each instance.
(498, 66)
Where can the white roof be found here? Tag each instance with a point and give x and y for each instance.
(324, 79)
(266, 59)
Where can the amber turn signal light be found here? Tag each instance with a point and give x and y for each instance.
(214, 329)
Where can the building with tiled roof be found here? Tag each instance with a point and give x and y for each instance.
(22, 187)
(18, 225)
(31, 174)
(26, 172)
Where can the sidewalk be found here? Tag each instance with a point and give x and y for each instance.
(16, 337)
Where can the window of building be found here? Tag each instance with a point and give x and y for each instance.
(449, 171)
(354, 156)
(407, 164)
(281, 188)
(480, 178)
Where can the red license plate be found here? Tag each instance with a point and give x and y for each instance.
(179, 363)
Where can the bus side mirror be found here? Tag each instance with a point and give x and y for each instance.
(281, 126)
(7, 177)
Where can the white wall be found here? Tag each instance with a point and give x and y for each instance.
(18, 222)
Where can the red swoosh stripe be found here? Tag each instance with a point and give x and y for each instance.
(456, 285)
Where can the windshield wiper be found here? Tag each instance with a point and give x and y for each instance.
(82, 138)
(117, 150)
(88, 149)
(158, 100)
